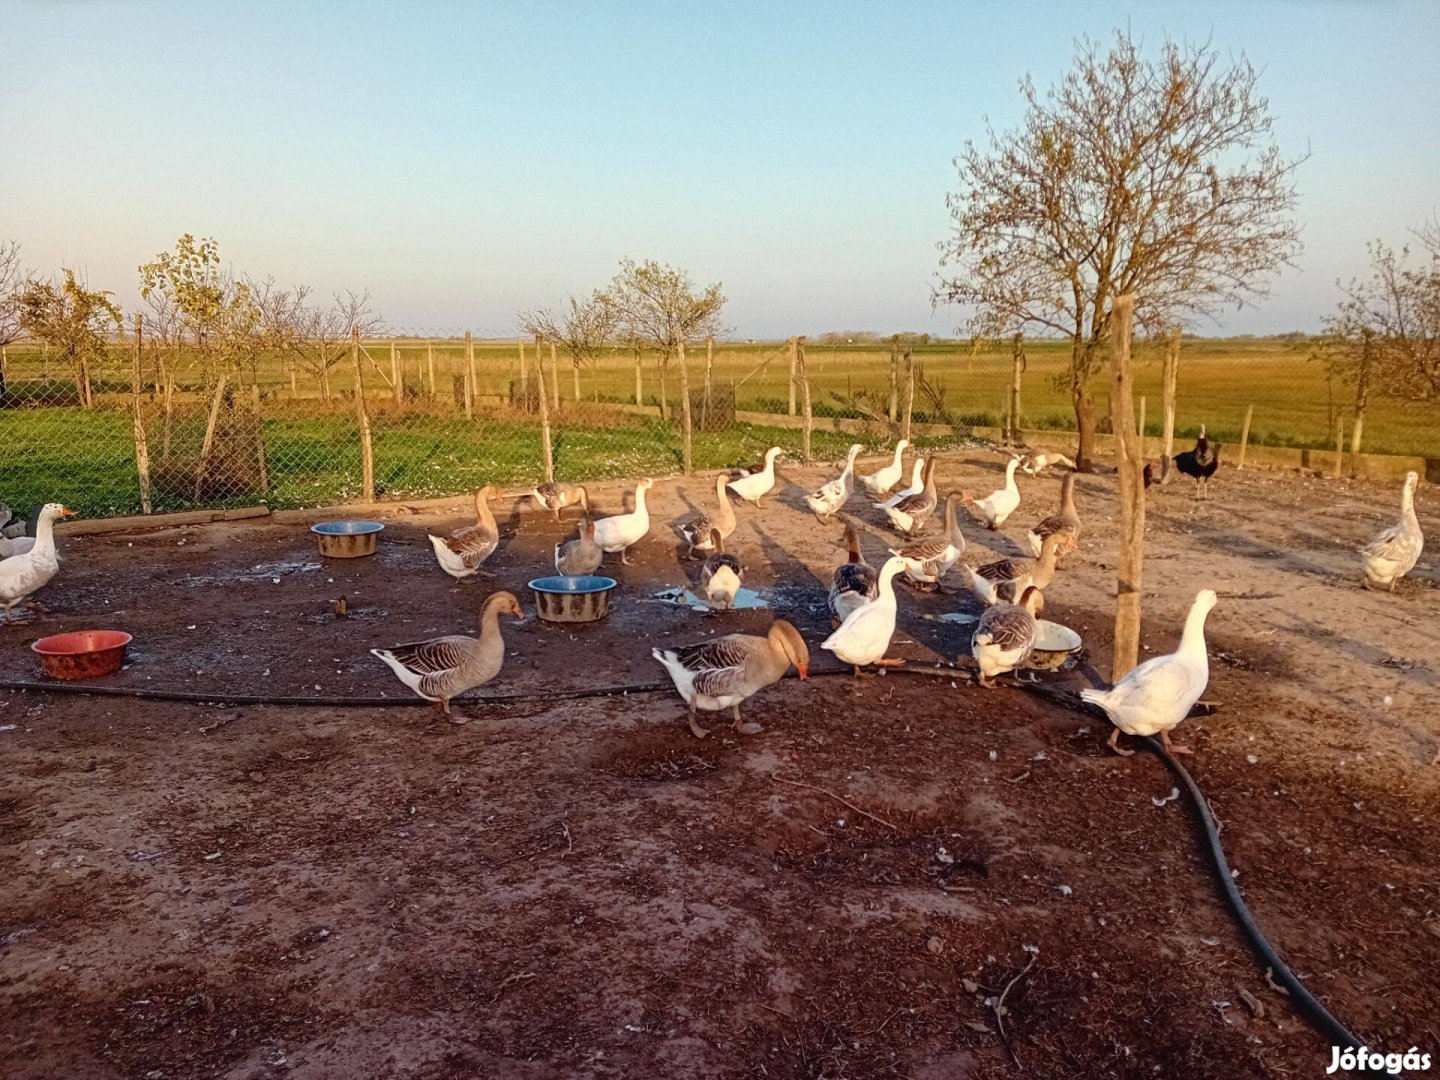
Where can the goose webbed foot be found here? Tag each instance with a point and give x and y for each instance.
(1114, 742)
(1174, 748)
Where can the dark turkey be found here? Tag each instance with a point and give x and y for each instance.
(1200, 463)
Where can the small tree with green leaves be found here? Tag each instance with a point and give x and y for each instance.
(77, 322)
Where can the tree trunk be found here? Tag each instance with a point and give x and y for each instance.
(664, 391)
(362, 419)
(1168, 382)
(909, 394)
(1084, 408)
(470, 362)
(893, 411)
(792, 377)
(709, 370)
(639, 387)
(1017, 368)
(804, 399)
(554, 378)
(686, 434)
(546, 449)
(1130, 564)
(324, 379)
(575, 377)
(142, 447)
(207, 445)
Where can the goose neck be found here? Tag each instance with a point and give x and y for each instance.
(1192, 638)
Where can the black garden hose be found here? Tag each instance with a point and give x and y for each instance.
(1308, 1006)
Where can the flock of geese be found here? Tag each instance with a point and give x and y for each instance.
(719, 674)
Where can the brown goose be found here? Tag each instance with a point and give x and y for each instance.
(697, 532)
(910, 513)
(1005, 636)
(578, 557)
(445, 667)
(555, 497)
(927, 561)
(461, 553)
(1065, 520)
(854, 583)
(721, 673)
(1005, 579)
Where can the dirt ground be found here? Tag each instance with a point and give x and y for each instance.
(582, 889)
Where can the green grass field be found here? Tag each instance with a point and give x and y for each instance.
(424, 446)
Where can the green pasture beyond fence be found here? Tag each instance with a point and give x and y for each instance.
(289, 436)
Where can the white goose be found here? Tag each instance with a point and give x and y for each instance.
(917, 485)
(883, 479)
(1157, 695)
(927, 561)
(865, 634)
(721, 575)
(620, 532)
(1394, 553)
(832, 496)
(21, 576)
(754, 486)
(999, 504)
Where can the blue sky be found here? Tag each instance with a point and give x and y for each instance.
(463, 161)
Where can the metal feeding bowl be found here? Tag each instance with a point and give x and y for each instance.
(577, 599)
(347, 539)
(1054, 644)
(84, 654)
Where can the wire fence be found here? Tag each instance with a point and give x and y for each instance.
(148, 429)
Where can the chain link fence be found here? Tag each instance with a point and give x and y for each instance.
(147, 429)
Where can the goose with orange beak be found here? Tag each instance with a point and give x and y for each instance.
(22, 576)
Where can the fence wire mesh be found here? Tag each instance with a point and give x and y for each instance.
(146, 427)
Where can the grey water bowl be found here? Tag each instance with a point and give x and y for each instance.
(347, 539)
(573, 599)
(1054, 644)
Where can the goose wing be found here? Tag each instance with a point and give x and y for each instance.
(1393, 543)
(435, 656)
(1007, 628)
(1006, 569)
(473, 545)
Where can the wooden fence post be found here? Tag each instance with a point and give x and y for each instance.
(1017, 368)
(524, 379)
(805, 399)
(1245, 436)
(554, 377)
(396, 379)
(1140, 424)
(1167, 391)
(468, 386)
(1339, 447)
(470, 363)
(709, 370)
(893, 412)
(207, 445)
(909, 394)
(547, 450)
(639, 390)
(793, 362)
(1130, 564)
(430, 366)
(142, 447)
(260, 458)
(367, 447)
(686, 432)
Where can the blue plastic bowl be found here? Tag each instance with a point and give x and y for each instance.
(347, 539)
(581, 598)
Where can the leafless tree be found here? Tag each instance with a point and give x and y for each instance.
(1384, 335)
(12, 282)
(1156, 177)
(657, 304)
(326, 332)
(581, 328)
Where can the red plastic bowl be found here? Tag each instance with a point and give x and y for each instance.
(83, 654)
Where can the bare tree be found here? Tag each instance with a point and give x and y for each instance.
(581, 329)
(326, 333)
(1156, 177)
(1384, 336)
(657, 304)
(12, 281)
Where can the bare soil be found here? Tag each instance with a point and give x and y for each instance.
(582, 889)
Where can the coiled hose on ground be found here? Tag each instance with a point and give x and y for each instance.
(1305, 1002)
